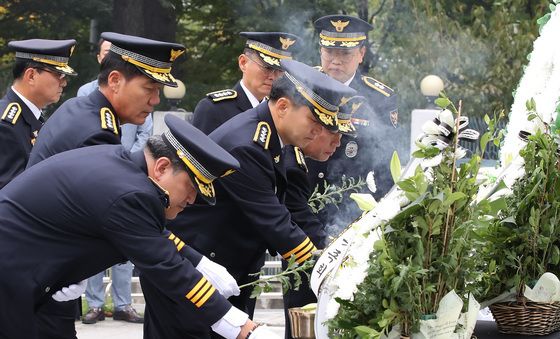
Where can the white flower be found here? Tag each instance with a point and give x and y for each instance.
(541, 81)
(370, 181)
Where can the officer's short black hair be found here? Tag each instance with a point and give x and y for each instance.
(22, 64)
(98, 46)
(114, 62)
(159, 149)
(283, 87)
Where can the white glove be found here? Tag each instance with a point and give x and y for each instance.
(262, 332)
(219, 277)
(71, 292)
(230, 325)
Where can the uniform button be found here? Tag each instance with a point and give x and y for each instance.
(212, 254)
(47, 289)
(321, 175)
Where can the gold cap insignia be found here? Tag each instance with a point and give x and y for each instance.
(175, 54)
(343, 101)
(286, 42)
(340, 25)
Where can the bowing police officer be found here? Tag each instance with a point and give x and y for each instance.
(112, 207)
(260, 65)
(300, 189)
(343, 40)
(39, 72)
(250, 216)
(131, 76)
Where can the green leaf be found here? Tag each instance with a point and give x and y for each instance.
(366, 332)
(395, 167)
(442, 102)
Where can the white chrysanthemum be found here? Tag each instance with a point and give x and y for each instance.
(541, 81)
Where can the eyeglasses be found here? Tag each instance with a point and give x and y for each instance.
(57, 75)
(343, 55)
(268, 70)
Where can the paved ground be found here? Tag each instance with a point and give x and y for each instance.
(110, 329)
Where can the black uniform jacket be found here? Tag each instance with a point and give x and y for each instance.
(297, 197)
(249, 215)
(18, 130)
(218, 107)
(78, 122)
(97, 208)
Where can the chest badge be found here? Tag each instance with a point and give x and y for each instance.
(351, 149)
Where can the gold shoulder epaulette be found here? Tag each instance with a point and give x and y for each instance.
(262, 134)
(222, 95)
(108, 121)
(11, 113)
(300, 158)
(378, 86)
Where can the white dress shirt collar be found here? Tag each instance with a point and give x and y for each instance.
(34, 109)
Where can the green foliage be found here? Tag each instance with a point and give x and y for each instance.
(65, 19)
(424, 252)
(293, 271)
(333, 194)
(478, 48)
(523, 243)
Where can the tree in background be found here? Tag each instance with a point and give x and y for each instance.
(478, 47)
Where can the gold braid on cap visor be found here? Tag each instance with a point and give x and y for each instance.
(266, 49)
(326, 112)
(46, 59)
(198, 170)
(142, 61)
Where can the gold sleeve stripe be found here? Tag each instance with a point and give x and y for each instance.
(171, 236)
(201, 292)
(304, 258)
(176, 241)
(297, 249)
(206, 296)
(196, 287)
(180, 246)
(307, 249)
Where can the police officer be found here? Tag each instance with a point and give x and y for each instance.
(343, 41)
(111, 207)
(39, 73)
(300, 189)
(250, 216)
(260, 65)
(130, 79)
(131, 76)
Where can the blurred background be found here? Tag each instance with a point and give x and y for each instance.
(478, 47)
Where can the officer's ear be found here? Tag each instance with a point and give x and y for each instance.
(161, 166)
(282, 106)
(243, 60)
(362, 52)
(114, 80)
(29, 75)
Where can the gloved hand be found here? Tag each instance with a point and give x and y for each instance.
(262, 332)
(219, 277)
(71, 292)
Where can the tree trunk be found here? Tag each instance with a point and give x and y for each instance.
(153, 19)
